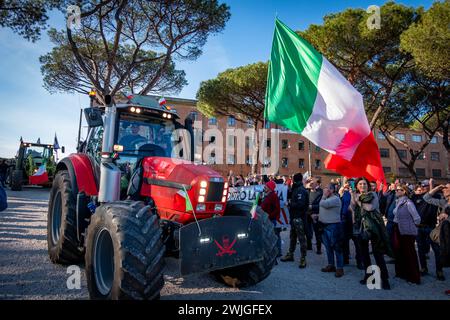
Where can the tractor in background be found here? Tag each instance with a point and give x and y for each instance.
(132, 195)
(34, 165)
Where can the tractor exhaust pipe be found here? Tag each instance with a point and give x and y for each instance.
(109, 188)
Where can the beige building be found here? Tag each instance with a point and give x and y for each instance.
(294, 150)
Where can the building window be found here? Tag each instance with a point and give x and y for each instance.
(249, 123)
(268, 143)
(284, 144)
(212, 158)
(212, 121)
(247, 142)
(381, 136)
(420, 172)
(317, 164)
(437, 173)
(400, 136)
(193, 115)
(387, 169)
(231, 141)
(283, 129)
(434, 140)
(230, 159)
(435, 156)
(301, 145)
(403, 172)
(384, 153)
(247, 160)
(421, 156)
(212, 139)
(267, 125)
(284, 162)
(301, 163)
(402, 154)
(231, 121)
(317, 149)
(416, 138)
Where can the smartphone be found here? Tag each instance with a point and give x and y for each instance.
(352, 185)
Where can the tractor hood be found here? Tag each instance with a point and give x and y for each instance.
(176, 170)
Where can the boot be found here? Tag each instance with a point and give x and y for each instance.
(287, 257)
(302, 263)
(329, 268)
(339, 273)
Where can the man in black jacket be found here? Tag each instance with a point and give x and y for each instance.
(298, 206)
(428, 215)
(315, 195)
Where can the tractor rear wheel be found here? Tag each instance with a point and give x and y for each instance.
(251, 273)
(16, 180)
(124, 252)
(62, 237)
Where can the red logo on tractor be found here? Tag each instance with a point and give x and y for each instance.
(226, 247)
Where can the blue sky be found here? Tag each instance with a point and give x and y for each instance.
(28, 110)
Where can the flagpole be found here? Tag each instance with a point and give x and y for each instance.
(309, 158)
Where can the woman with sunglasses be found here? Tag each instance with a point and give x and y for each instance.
(369, 227)
(406, 218)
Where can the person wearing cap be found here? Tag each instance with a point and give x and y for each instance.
(428, 211)
(298, 206)
(332, 236)
(271, 205)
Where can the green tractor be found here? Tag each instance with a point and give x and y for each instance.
(34, 165)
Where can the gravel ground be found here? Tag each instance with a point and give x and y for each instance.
(27, 273)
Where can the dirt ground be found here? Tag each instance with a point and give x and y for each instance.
(27, 273)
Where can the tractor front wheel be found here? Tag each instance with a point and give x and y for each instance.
(62, 237)
(16, 180)
(124, 252)
(251, 273)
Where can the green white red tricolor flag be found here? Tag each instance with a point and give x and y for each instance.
(307, 94)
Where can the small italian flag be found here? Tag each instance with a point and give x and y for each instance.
(254, 206)
(307, 94)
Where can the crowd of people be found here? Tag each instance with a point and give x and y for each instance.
(378, 223)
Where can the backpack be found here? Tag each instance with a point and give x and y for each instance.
(3, 199)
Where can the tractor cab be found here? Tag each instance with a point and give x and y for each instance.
(32, 159)
(142, 128)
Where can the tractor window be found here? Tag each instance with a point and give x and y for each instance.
(94, 145)
(145, 137)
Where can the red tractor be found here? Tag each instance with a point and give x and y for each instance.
(129, 197)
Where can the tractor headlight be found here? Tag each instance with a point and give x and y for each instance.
(201, 198)
(201, 207)
(242, 235)
(132, 109)
(224, 199)
(205, 240)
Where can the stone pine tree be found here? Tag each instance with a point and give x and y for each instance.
(130, 45)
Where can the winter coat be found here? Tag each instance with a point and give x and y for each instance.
(406, 217)
(299, 201)
(369, 220)
(271, 205)
(444, 243)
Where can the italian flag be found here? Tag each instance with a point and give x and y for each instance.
(307, 94)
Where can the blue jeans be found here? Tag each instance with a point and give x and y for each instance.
(423, 245)
(332, 239)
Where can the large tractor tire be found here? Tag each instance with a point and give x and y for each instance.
(16, 180)
(124, 252)
(251, 273)
(62, 238)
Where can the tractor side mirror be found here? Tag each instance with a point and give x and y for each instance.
(63, 149)
(93, 117)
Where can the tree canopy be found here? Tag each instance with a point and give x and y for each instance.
(26, 17)
(428, 41)
(130, 44)
(238, 92)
